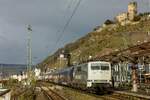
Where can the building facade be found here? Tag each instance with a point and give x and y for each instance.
(122, 17)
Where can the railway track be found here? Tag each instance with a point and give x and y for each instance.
(115, 95)
(52, 95)
(104, 97)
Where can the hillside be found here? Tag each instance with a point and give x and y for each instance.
(10, 69)
(110, 38)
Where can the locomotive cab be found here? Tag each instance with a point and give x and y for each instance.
(99, 74)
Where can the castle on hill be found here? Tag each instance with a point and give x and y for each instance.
(121, 19)
(127, 17)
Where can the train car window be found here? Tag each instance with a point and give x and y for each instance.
(105, 67)
(95, 67)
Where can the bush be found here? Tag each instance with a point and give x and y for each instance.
(108, 22)
(144, 14)
(137, 18)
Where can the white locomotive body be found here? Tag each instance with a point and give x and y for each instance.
(92, 74)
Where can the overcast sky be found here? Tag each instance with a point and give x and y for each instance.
(47, 17)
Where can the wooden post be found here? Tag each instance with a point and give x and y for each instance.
(134, 78)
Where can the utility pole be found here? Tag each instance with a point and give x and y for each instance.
(29, 53)
(1, 76)
(29, 60)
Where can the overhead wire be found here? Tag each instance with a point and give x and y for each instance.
(67, 23)
(64, 17)
(66, 10)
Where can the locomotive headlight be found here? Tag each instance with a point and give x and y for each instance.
(110, 81)
(89, 84)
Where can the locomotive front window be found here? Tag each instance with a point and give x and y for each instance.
(104, 67)
(95, 67)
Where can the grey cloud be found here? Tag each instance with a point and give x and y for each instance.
(46, 18)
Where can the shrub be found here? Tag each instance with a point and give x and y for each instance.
(108, 22)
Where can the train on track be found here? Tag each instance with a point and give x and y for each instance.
(90, 75)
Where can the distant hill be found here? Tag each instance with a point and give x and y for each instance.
(9, 69)
(110, 38)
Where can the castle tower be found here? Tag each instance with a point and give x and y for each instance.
(132, 10)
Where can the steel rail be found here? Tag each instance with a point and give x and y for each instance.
(51, 94)
(115, 95)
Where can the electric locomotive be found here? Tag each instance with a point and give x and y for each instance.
(93, 74)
